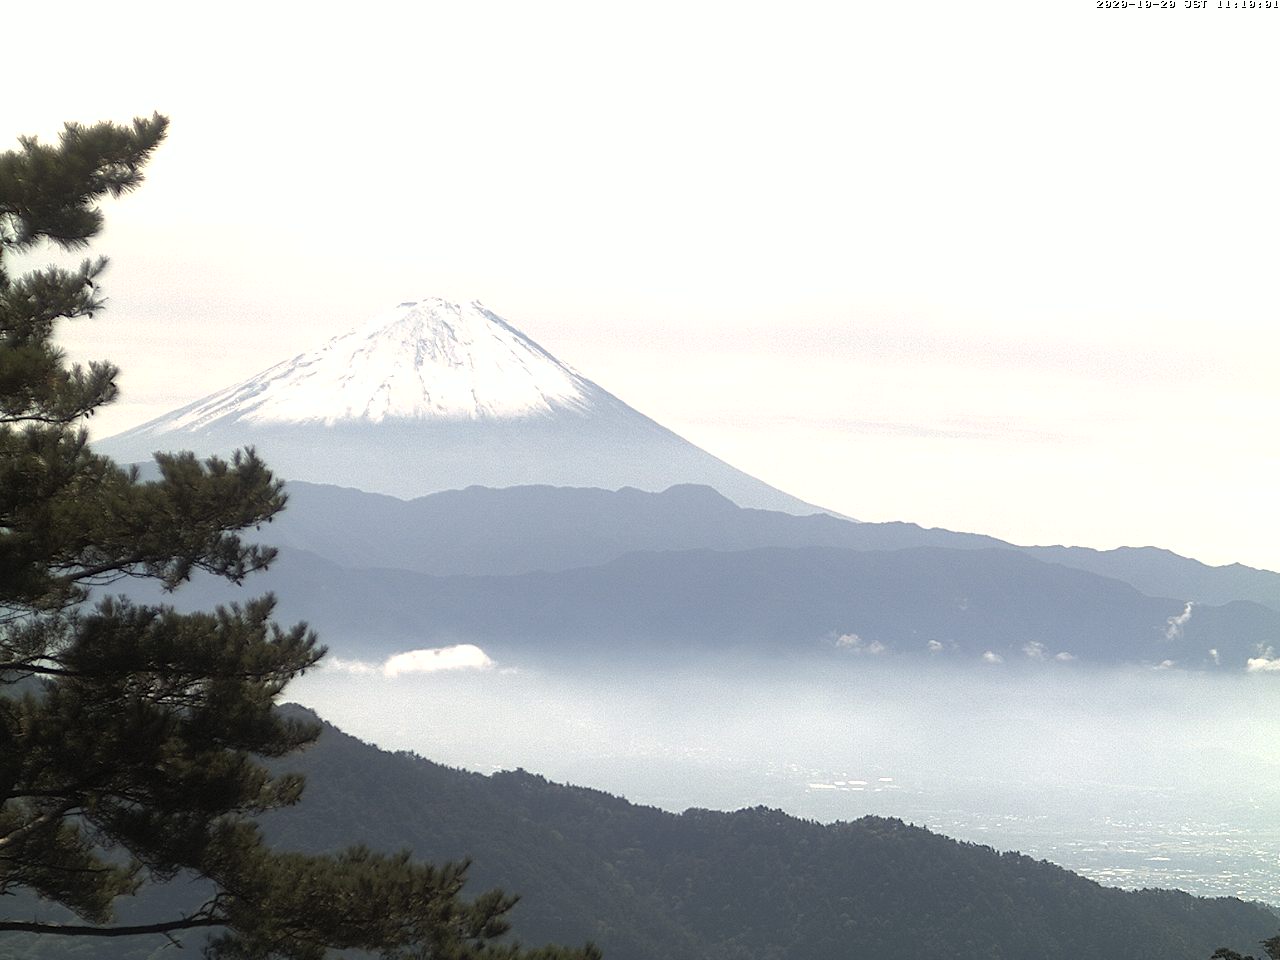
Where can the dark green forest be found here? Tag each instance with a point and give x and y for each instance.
(748, 885)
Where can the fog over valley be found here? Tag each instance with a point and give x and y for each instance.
(1133, 776)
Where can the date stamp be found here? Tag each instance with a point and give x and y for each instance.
(1187, 4)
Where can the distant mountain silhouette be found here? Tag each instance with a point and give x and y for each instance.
(794, 602)
(526, 529)
(523, 529)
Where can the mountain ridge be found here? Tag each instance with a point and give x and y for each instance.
(522, 529)
(833, 604)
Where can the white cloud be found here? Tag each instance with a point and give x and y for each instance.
(1034, 650)
(934, 646)
(1173, 626)
(992, 657)
(1165, 665)
(348, 666)
(463, 656)
(1064, 657)
(851, 641)
(1265, 662)
(1217, 660)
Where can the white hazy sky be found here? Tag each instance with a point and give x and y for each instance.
(997, 266)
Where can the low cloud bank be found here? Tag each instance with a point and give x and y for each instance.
(462, 656)
(1265, 662)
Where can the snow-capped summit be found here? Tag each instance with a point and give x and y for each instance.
(427, 359)
(436, 396)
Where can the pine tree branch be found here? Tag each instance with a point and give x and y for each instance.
(84, 930)
(26, 667)
(117, 565)
(62, 419)
(46, 818)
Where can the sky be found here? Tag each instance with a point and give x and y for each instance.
(997, 266)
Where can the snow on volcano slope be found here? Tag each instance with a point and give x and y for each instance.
(436, 396)
(425, 360)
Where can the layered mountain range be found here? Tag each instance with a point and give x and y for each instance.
(536, 575)
(583, 526)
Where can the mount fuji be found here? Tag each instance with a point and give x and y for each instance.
(437, 396)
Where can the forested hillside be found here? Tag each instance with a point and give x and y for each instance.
(748, 885)
(751, 885)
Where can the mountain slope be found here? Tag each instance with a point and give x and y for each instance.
(436, 396)
(739, 886)
(755, 884)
